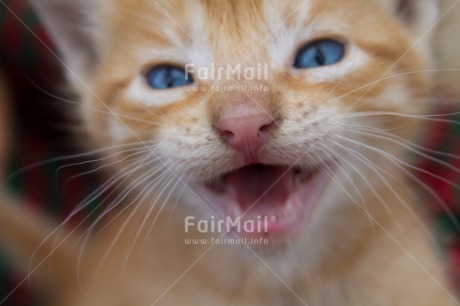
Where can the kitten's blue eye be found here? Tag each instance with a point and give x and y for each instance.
(167, 77)
(320, 53)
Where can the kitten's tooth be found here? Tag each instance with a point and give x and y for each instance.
(278, 215)
(289, 211)
(235, 211)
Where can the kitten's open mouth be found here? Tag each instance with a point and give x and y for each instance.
(273, 200)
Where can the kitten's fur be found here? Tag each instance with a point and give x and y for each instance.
(363, 244)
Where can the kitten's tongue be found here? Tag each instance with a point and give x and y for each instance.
(281, 196)
(261, 189)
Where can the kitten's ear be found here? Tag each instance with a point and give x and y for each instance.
(420, 18)
(72, 26)
(418, 15)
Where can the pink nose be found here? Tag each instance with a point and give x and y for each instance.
(246, 131)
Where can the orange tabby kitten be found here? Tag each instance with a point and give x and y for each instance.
(262, 146)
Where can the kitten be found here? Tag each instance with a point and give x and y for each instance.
(291, 117)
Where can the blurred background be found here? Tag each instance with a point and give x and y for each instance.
(39, 114)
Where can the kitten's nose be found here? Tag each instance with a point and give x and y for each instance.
(245, 128)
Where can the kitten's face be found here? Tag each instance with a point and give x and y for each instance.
(290, 140)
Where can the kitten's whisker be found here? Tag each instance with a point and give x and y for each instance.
(379, 170)
(123, 173)
(141, 195)
(368, 127)
(82, 205)
(67, 157)
(124, 159)
(133, 185)
(450, 183)
(56, 231)
(153, 204)
(62, 99)
(85, 236)
(402, 166)
(412, 149)
(120, 177)
(165, 202)
(332, 175)
(137, 119)
(410, 143)
(364, 204)
(347, 175)
(99, 160)
(430, 117)
(374, 191)
(186, 183)
(386, 232)
(381, 79)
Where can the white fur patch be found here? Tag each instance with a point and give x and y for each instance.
(285, 39)
(397, 95)
(118, 132)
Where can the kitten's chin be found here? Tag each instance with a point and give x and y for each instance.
(264, 201)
